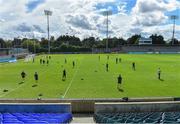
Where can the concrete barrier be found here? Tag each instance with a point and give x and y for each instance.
(84, 105)
(137, 107)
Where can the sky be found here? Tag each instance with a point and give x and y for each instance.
(85, 18)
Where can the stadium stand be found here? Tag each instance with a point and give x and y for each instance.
(35, 113)
(140, 49)
(11, 54)
(144, 110)
(148, 117)
(150, 48)
(35, 118)
(12, 51)
(137, 112)
(7, 59)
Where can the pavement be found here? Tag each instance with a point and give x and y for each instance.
(83, 118)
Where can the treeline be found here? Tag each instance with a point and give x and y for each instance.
(66, 43)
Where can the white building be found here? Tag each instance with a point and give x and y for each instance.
(145, 41)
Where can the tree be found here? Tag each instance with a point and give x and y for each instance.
(157, 39)
(9, 44)
(2, 43)
(31, 44)
(116, 42)
(175, 42)
(89, 42)
(44, 43)
(16, 42)
(133, 39)
(69, 40)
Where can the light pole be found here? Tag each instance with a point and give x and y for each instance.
(48, 13)
(34, 43)
(174, 18)
(107, 13)
(27, 44)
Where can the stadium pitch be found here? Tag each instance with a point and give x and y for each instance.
(89, 78)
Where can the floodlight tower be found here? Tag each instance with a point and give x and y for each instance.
(27, 44)
(107, 13)
(174, 18)
(48, 13)
(34, 43)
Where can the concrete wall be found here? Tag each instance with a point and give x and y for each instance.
(84, 105)
(35, 108)
(137, 107)
(150, 48)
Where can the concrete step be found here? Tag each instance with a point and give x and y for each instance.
(83, 118)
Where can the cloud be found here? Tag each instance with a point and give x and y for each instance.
(122, 8)
(152, 12)
(83, 18)
(136, 30)
(80, 21)
(23, 28)
(32, 4)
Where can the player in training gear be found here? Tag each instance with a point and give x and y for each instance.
(119, 81)
(119, 60)
(108, 57)
(43, 62)
(23, 75)
(47, 62)
(159, 73)
(40, 61)
(134, 66)
(107, 67)
(36, 77)
(73, 64)
(65, 61)
(64, 75)
(116, 60)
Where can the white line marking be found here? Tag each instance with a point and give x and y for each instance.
(71, 81)
(12, 91)
(43, 71)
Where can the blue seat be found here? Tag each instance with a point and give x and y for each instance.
(20, 122)
(37, 122)
(12, 123)
(148, 120)
(35, 118)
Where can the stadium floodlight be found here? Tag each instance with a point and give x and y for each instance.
(174, 18)
(34, 42)
(48, 13)
(27, 43)
(107, 13)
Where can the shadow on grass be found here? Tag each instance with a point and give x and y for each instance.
(161, 79)
(35, 85)
(5, 90)
(63, 79)
(40, 94)
(120, 90)
(21, 83)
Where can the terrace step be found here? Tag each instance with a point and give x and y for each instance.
(83, 118)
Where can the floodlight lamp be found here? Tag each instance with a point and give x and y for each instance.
(48, 12)
(174, 17)
(107, 12)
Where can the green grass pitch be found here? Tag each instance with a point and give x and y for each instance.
(89, 78)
